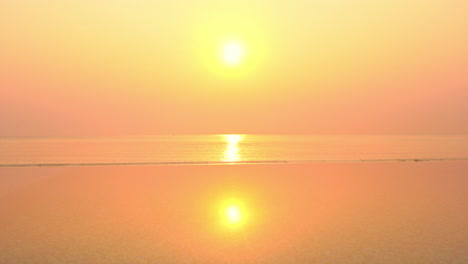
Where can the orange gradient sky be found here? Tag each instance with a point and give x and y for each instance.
(101, 67)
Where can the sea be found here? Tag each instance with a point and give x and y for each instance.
(295, 199)
(221, 149)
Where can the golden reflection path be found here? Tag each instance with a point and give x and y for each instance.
(232, 152)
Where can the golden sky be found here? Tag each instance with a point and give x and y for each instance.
(101, 67)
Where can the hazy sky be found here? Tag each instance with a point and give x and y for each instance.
(101, 67)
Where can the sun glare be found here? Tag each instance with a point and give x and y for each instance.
(233, 53)
(232, 152)
(233, 214)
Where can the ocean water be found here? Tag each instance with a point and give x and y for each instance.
(219, 149)
(303, 199)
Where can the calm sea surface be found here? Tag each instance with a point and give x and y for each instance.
(59, 205)
(216, 149)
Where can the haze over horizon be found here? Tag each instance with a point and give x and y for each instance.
(86, 68)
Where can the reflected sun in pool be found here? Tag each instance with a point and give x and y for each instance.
(233, 214)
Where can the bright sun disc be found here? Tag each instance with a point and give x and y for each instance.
(233, 214)
(233, 53)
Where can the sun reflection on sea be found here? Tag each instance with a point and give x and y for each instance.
(231, 154)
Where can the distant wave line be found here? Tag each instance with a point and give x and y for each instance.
(191, 163)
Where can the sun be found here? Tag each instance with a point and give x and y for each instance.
(233, 53)
(233, 214)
